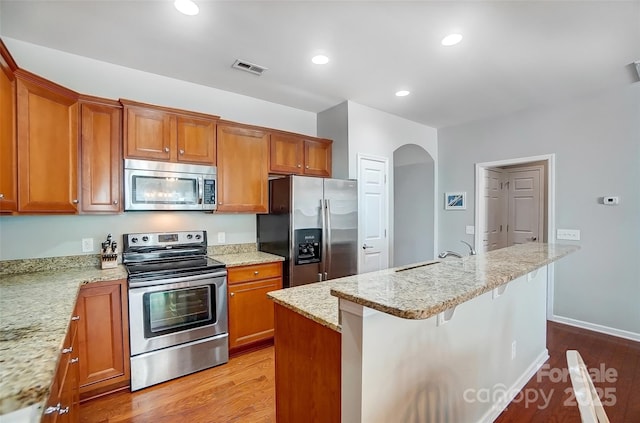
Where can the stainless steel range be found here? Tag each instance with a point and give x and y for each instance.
(177, 306)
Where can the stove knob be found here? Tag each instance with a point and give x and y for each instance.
(198, 236)
(134, 240)
(145, 238)
(189, 236)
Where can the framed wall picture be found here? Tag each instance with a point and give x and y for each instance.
(455, 200)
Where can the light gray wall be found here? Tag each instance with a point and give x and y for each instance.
(48, 236)
(413, 187)
(333, 123)
(597, 145)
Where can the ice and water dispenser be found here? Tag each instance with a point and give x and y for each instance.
(308, 246)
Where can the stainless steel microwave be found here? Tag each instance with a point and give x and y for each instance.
(150, 185)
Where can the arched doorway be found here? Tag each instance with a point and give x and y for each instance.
(413, 204)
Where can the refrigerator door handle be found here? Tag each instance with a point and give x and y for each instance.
(323, 246)
(327, 260)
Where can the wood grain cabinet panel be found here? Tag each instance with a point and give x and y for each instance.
(101, 155)
(63, 404)
(243, 169)
(103, 334)
(8, 153)
(250, 311)
(317, 157)
(292, 154)
(47, 146)
(161, 133)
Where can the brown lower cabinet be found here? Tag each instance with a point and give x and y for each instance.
(63, 403)
(308, 366)
(250, 311)
(103, 337)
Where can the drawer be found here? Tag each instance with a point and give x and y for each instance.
(254, 272)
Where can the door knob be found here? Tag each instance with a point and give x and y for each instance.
(365, 246)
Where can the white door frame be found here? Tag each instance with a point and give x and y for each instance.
(359, 157)
(550, 160)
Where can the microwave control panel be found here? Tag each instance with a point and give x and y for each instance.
(209, 191)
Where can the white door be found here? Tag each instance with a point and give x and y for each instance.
(494, 235)
(373, 200)
(526, 206)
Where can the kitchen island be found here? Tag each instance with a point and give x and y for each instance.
(416, 343)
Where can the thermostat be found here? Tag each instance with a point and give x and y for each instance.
(610, 201)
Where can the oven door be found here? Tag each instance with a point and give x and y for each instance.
(175, 311)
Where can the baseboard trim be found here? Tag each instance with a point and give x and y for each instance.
(498, 407)
(596, 328)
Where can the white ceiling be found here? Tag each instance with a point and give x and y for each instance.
(514, 54)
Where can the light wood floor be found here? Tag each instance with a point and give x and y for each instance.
(243, 389)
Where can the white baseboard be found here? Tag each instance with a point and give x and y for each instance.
(596, 328)
(497, 408)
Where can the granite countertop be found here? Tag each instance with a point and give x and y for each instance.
(246, 258)
(35, 310)
(423, 290)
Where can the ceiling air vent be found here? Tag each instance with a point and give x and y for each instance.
(249, 67)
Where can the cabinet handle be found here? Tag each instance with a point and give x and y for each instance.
(166, 149)
(299, 166)
(1, 196)
(115, 202)
(52, 409)
(64, 410)
(256, 272)
(74, 360)
(181, 151)
(76, 201)
(307, 166)
(67, 350)
(232, 294)
(75, 318)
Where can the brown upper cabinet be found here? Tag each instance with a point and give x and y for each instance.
(160, 133)
(47, 134)
(101, 155)
(243, 168)
(297, 155)
(8, 154)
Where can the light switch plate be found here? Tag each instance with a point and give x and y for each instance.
(222, 237)
(568, 234)
(470, 229)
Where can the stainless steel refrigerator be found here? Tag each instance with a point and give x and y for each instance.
(313, 224)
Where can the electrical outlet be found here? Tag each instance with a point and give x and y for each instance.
(470, 229)
(513, 350)
(569, 234)
(222, 237)
(87, 245)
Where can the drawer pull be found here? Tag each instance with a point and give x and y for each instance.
(52, 409)
(74, 360)
(67, 350)
(74, 318)
(256, 272)
(64, 410)
(232, 294)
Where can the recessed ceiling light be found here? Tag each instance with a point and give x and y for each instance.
(451, 39)
(187, 7)
(402, 93)
(320, 59)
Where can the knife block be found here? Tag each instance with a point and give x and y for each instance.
(108, 260)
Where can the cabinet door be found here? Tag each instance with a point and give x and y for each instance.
(101, 157)
(243, 169)
(47, 146)
(149, 133)
(317, 158)
(196, 140)
(286, 154)
(8, 158)
(251, 312)
(103, 336)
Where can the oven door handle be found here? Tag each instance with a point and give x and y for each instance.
(185, 281)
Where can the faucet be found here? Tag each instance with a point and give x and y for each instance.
(444, 254)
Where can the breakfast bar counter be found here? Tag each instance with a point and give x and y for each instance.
(382, 345)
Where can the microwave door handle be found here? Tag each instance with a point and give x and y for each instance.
(200, 190)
